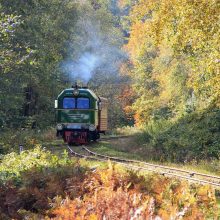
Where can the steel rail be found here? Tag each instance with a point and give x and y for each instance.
(104, 160)
(191, 173)
(126, 164)
(83, 156)
(216, 179)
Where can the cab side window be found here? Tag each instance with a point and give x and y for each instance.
(69, 103)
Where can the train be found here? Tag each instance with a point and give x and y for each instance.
(81, 115)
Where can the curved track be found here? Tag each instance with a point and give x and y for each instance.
(140, 165)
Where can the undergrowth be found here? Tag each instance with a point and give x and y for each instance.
(194, 137)
(39, 185)
(10, 140)
(125, 130)
(13, 165)
(137, 151)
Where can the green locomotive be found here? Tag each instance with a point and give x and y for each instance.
(81, 115)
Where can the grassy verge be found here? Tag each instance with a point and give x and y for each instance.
(126, 130)
(128, 148)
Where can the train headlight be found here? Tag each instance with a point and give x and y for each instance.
(59, 127)
(92, 127)
(75, 92)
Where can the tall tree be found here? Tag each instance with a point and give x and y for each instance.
(42, 35)
(174, 47)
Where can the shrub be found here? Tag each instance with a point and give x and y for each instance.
(110, 195)
(193, 137)
(10, 140)
(29, 181)
(39, 185)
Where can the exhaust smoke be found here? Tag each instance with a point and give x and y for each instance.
(94, 50)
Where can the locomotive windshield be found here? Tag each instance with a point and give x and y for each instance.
(75, 103)
(69, 103)
(83, 103)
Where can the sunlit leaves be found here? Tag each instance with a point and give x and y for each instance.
(113, 196)
(185, 37)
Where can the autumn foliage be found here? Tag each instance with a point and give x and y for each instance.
(111, 195)
(174, 48)
(64, 189)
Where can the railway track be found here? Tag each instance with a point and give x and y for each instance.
(144, 166)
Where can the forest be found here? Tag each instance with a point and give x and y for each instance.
(158, 64)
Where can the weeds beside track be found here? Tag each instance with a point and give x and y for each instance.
(144, 166)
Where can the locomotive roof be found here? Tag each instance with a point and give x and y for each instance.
(82, 91)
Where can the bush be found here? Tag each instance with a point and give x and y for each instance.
(39, 185)
(29, 181)
(110, 195)
(13, 165)
(10, 140)
(193, 137)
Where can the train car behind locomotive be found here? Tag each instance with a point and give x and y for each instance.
(80, 115)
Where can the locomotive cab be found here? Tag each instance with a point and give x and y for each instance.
(81, 115)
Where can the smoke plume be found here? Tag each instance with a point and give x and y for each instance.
(95, 49)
